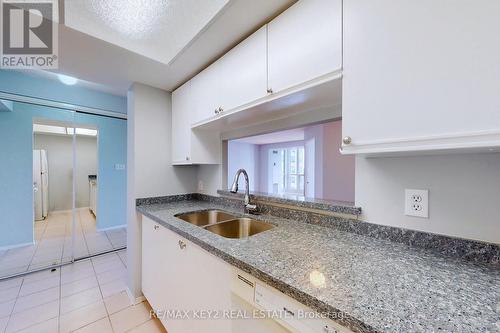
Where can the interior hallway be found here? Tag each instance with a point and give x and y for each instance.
(53, 242)
(87, 296)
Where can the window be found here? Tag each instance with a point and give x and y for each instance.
(293, 170)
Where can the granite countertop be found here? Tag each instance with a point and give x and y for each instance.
(342, 207)
(378, 285)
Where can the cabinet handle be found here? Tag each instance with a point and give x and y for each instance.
(269, 90)
(182, 245)
(156, 227)
(347, 140)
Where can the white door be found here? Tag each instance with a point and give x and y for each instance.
(37, 186)
(44, 178)
(305, 42)
(310, 158)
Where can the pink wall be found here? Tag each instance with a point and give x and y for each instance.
(338, 169)
(333, 172)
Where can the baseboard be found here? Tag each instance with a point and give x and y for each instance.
(135, 300)
(9, 247)
(112, 228)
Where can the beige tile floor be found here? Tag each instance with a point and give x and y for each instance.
(87, 296)
(53, 242)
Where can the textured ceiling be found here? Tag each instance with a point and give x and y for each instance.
(157, 29)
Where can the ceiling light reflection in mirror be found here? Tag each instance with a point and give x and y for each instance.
(60, 130)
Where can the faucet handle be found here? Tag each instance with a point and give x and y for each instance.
(251, 207)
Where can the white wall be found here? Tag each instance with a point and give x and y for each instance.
(211, 177)
(316, 133)
(60, 159)
(150, 172)
(463, 199)
(246, 156)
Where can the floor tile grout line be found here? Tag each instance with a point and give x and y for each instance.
(60, 298)
(52, 224)
(84, 236)
(14, 306)
(102, 296)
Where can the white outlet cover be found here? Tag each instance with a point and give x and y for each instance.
(417, 203)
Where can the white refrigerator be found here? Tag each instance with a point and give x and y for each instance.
(40, 184)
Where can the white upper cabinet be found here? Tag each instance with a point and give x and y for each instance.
(304, 43)
(421, 75)
(243, 72)
(289, 66)
(205, 94)
(191, 146)
(239, 77)
(181, 124)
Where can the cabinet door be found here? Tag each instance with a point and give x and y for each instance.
(305, 42)
(207, 286)
(164, 273)
(420, 70)
(181, 124)
(151, 276)
(243, 72)
(205, 94)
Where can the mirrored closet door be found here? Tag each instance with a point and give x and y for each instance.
(62, 187)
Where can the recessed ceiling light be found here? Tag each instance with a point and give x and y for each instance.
(133, 18)
(69, 80)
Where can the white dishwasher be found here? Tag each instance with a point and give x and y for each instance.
(283, 314)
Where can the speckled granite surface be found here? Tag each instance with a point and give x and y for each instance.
(379, 286)
(472, 250)
(300, 201)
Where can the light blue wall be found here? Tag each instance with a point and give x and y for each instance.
(16, 158)
(19, 83)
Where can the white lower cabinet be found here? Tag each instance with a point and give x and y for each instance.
(179, 277)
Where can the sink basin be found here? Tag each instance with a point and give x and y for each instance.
(206, 217)
(239, 228)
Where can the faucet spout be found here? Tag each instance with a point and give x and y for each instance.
(234, 188)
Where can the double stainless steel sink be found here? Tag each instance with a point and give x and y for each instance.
(225, 224)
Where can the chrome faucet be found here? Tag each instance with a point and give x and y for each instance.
(234, 189)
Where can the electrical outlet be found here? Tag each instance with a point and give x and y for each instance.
(201, 185)
(417, 203)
